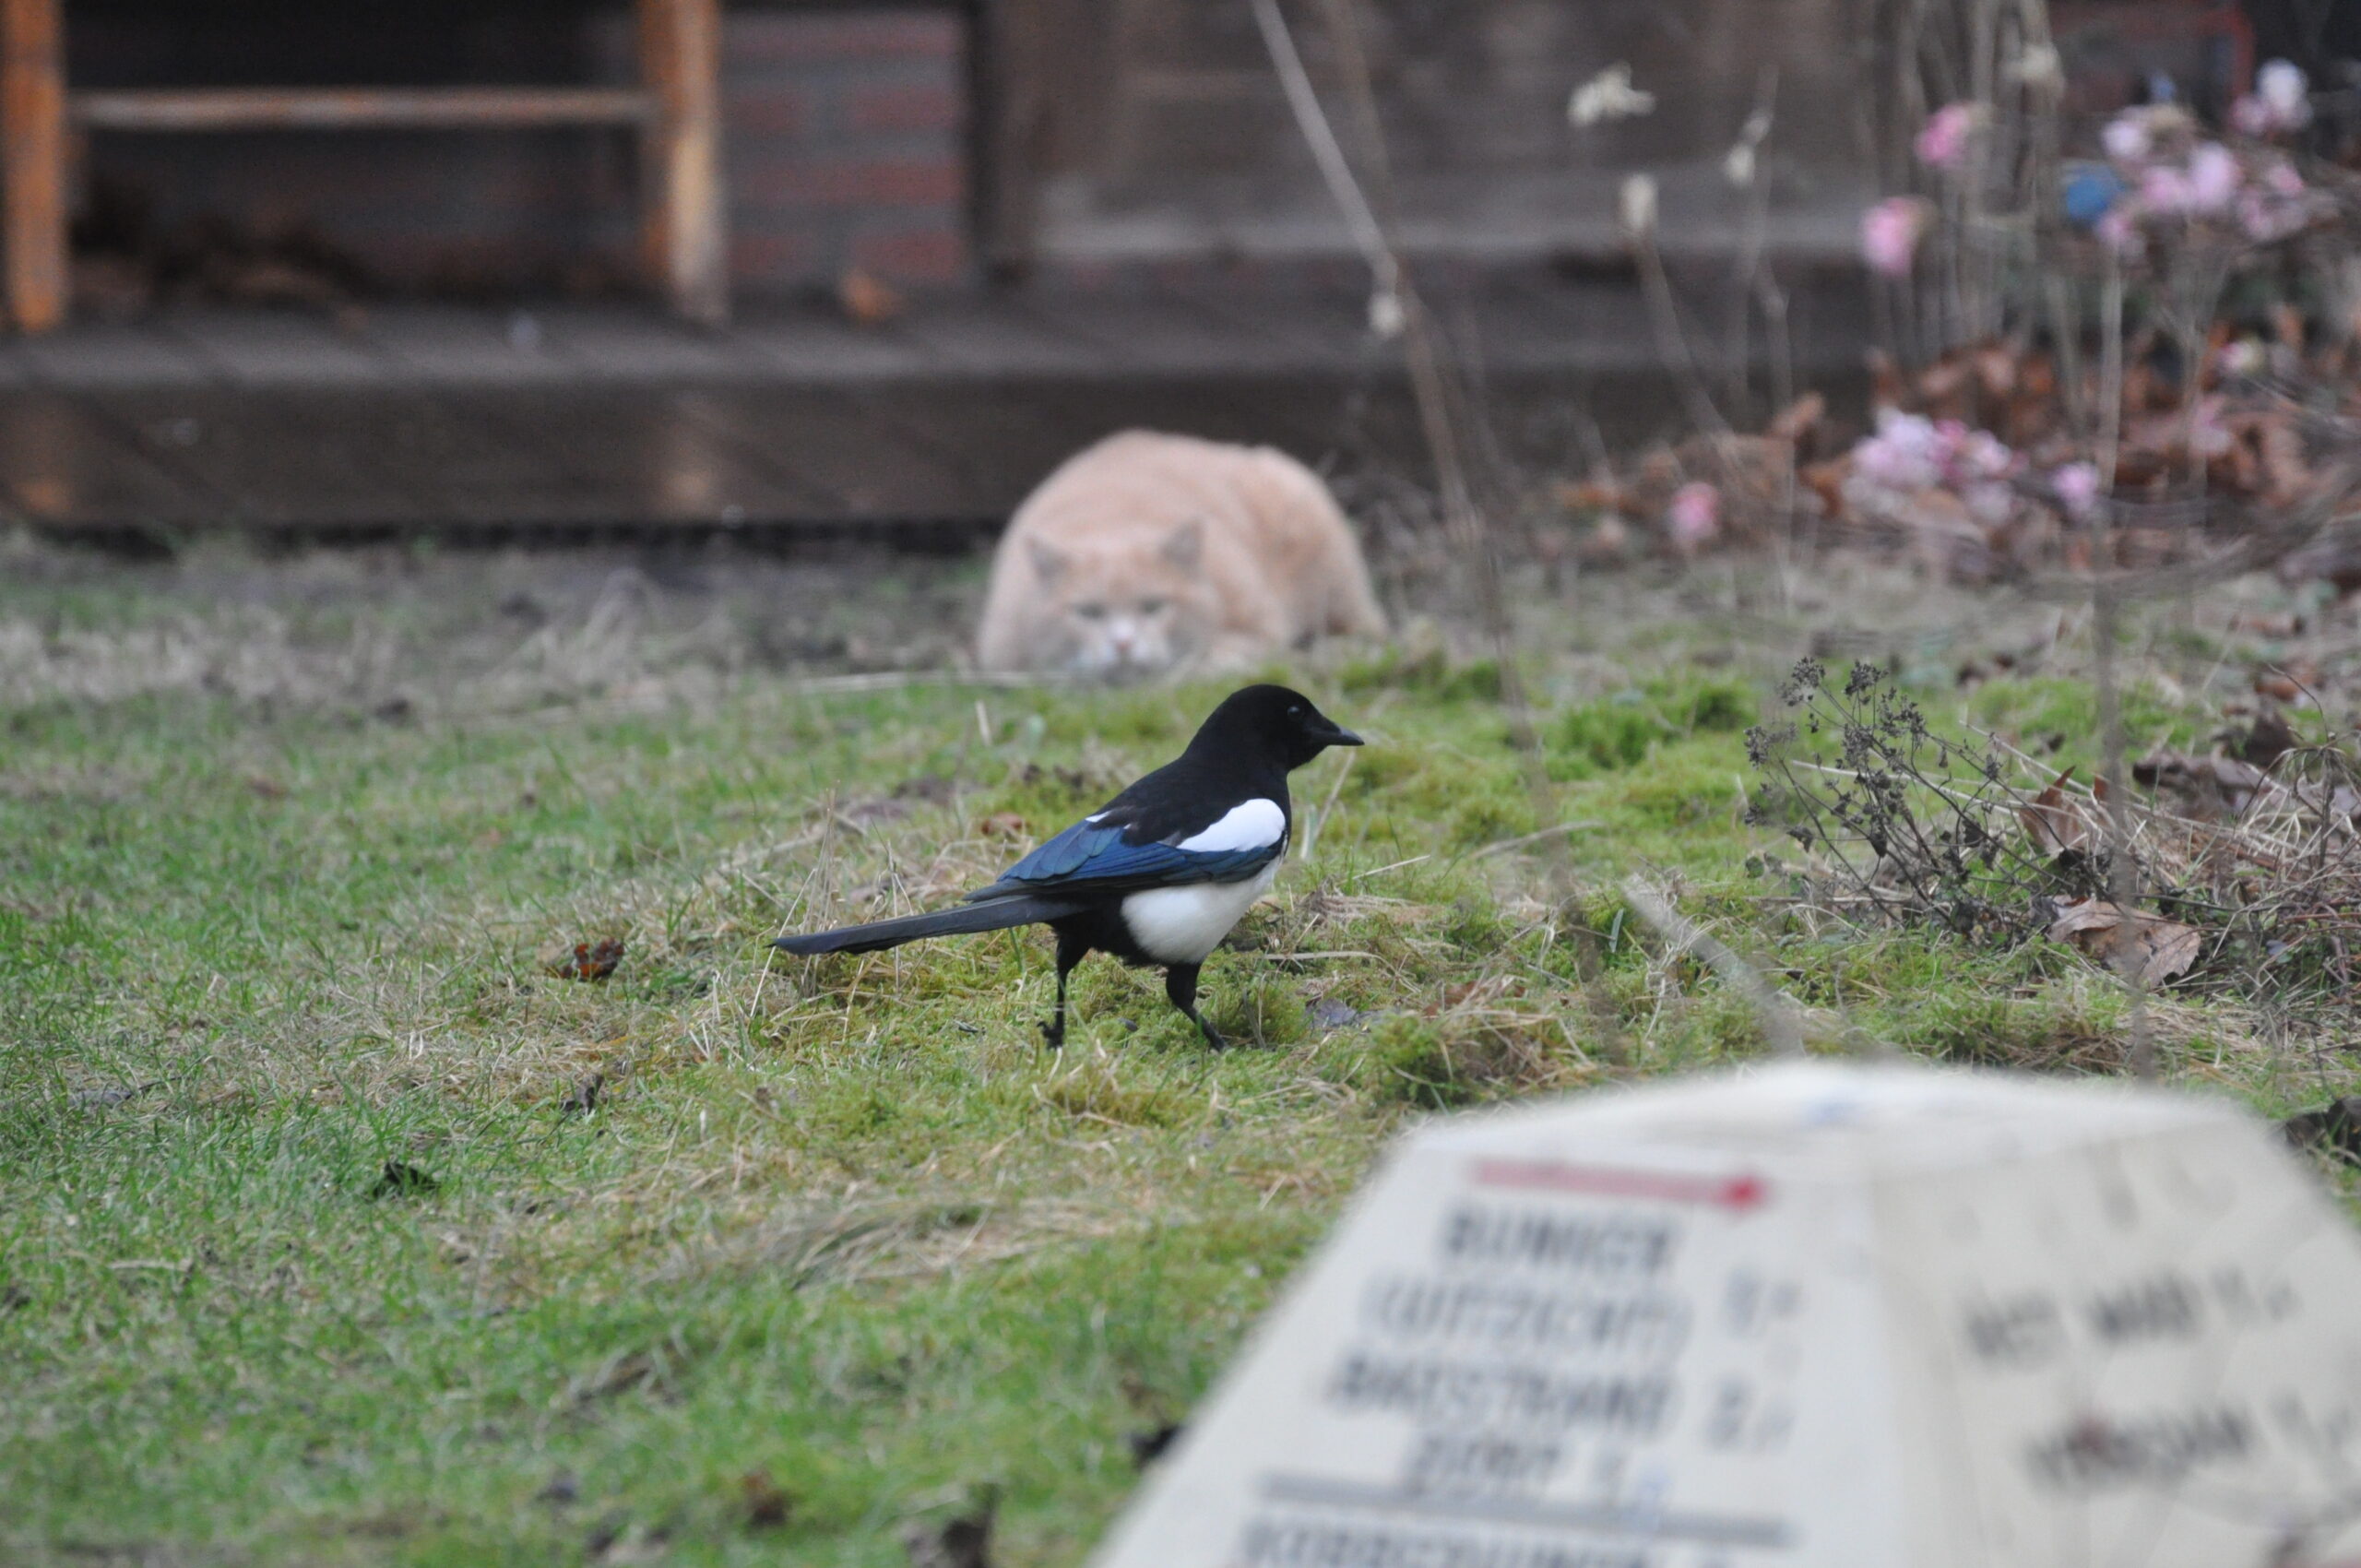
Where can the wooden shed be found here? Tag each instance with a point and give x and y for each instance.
(453, 145)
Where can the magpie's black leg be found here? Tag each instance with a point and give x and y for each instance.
(1071, 950)
(1180, 985)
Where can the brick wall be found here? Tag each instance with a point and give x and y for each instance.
(847, 143)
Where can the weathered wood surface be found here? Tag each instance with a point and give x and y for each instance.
(342, 109)
(684, 231)
(411, 417)
(677, 108)
(1138, 130)
(33, 161)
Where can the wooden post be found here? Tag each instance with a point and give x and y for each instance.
(684, 231)
(1040, 78)
(33, 160)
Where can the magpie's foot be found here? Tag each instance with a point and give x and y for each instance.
(1055, 1035)
(1213, 1036)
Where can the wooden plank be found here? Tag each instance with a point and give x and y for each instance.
(1040, 70)
(644, 458)
(466, 463)
(686, 230)
(33, 161)
(816, 346)
(1327, 327)
(1145, 333)
(274, 456)
(632, 345)
(65, 465)
(1296, 415)
(867, 468)
(993, 335)
(17, 368)
(1002, 446)
(102, 353)
(458, 343)
(344, 109)
(260, 347)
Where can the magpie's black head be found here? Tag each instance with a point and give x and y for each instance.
(1272, 722)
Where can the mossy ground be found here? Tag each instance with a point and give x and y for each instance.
(845, 1227)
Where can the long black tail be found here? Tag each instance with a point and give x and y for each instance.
(994, 914)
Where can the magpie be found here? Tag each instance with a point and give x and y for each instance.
(1160, 873)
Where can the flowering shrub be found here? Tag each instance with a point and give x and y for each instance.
(1891, 232)
(2168, 202)
(1962, 494)
(2172, 178)
(2163, 181)
(1943, 142)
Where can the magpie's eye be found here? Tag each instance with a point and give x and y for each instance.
(1090, 611)
(1295, 713)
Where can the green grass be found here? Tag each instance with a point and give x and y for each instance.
(845, 1226)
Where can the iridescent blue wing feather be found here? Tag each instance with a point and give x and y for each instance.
(1099, 856)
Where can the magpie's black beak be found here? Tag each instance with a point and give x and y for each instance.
(1336, 735)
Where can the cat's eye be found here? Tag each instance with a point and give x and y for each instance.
(1090, 611)
(1151, 606)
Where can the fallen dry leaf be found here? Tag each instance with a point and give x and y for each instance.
(2206, 785)
(2054, 827)
(2292, 683)
(1799, 419)
(2167, 949)
(1002, 825)
(867, 299)
(2270, 739)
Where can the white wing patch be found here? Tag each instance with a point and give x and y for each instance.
(1254, 825)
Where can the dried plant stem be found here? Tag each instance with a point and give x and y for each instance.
(1781, 1027)
(1672, 344)
(1442, 407)
(1426, 356)
(2110, 442)
(2123, 863)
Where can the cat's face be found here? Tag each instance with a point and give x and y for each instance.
(1124, 610)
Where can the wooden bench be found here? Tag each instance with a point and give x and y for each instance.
(676, 109)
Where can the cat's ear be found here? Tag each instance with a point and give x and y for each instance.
(1185, 545)
(1048, 563)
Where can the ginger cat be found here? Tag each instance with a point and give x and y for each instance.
(1149, 555)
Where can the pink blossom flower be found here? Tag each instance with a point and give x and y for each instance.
(1906, 454)
(2119, 231)
(1989, 501)
(1891, 232)
(2077, 485)
(2282, 87)
(1694, 515)
(2213, 177)
(2251, 116)
(2167, 191)
(2126, 137)
(2244, 357)
(1942, 140)
(2208, 435)
(2280, 102)
(2266, 222)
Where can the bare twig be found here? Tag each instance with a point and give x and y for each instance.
(1781, 1026)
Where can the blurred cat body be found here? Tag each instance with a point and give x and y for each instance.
(1150, 555)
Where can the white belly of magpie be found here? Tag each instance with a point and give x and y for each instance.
(1181, 925)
